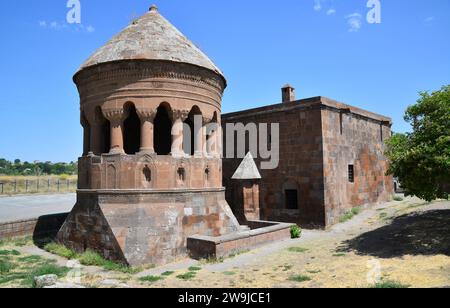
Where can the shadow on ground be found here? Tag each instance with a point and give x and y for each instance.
(423, 233)
(47, 228)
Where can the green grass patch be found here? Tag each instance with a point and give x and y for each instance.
(297, 249)
(12, 277)
(6, 267)
(341, 254)
(91, 258)
(150, 278)
(212, 260)
(195, 269)
(45, 269)
(167, 274)
(300, 278)
(228, 273)
(23, 241)
(314, 271)
(60, 250)
(389, 284)
(30, 259)
(9, 253)
(398, 199)
(187, 276)
(350, 214)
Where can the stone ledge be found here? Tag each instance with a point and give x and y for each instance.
(148, 191)
(37, 227)
(263, 232)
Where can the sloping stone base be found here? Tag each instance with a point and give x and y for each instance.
(145, 227)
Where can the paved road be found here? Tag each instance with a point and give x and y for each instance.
(25, 207)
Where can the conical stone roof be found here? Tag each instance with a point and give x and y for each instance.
(247, 170)
(151, 37)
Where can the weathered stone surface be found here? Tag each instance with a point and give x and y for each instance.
(65, 285)
(151, 37)
(45, 281)
(319, 139)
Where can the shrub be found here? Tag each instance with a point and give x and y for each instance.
(168, 273)
(60, 250)
(398, 199)
(195, 269)
(296, 232)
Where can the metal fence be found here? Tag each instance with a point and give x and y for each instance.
(13, 187)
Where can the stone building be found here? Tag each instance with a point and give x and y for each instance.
(144, 196)
(331, 160)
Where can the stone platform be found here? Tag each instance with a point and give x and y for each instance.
(260, 233)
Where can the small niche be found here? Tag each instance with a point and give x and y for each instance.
(147, 174)
(181, 175)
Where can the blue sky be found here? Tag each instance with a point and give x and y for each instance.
(320, 47)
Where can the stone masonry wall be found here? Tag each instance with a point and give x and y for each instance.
(300, 167)
(355, 140)
(144, 227)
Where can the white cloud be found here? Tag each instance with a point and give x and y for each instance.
(90, 29)
(354, 21)
(317, 5)
(331, 12)
(429, 19)
(43, 23)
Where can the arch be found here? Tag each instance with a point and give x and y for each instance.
(163, 130)
(207, 176)
(212, 136)
(104, 141)
(111, 177)
(146, 173)
(86, 134)
(131, 130)
(189, 132)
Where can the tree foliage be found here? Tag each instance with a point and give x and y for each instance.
(37, 168)
(421, 159)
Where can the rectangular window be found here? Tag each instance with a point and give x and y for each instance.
(351, 173)
(291, 199)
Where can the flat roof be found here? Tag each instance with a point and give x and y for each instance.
(306, 103)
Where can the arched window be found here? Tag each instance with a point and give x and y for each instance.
(131, 130)
(105, 132)
(163, 131)
(189, 131)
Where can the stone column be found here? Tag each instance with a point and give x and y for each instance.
(116, 118)
(86, 136)
(147, 117)
(177, 133)
(199, 131)
(213, 142)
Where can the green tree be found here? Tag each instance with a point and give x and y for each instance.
(421, 159)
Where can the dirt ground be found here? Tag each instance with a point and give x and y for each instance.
(407, 242)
